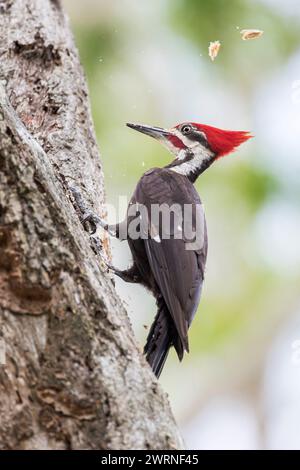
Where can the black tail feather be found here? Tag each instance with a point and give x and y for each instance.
(160, 339)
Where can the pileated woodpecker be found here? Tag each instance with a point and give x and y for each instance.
(172, 267)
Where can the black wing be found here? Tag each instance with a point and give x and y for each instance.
(177, 266)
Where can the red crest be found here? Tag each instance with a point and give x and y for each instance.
(222, 141)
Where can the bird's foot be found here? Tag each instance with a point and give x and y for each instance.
(95, 226)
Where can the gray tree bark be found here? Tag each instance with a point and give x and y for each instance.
(73, 376)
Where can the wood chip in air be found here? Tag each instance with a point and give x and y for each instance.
(213, 49)
(251, 34)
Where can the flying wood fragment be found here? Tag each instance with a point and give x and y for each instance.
(251, 34)
(213, 49)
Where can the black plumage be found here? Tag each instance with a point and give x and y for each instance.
(173, 273)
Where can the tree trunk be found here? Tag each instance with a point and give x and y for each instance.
(72, 375)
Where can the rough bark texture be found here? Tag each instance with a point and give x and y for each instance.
(74, 376)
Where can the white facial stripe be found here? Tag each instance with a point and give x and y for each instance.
(188, 167)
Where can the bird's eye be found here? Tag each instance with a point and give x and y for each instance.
(186, 129)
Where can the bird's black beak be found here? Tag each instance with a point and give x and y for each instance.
(156, 132)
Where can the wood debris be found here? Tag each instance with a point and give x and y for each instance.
(213, 49)
(251, 34)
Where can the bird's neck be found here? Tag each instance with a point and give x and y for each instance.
(192, 163)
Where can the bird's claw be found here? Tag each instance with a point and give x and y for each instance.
(93, 220)
(96, 224)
